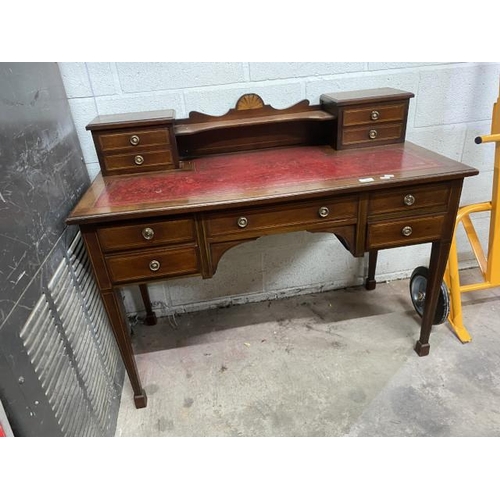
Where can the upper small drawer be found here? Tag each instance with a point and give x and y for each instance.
(133, 139)
(376, 113)
(372, 134)
(143, 161)
(146, 234)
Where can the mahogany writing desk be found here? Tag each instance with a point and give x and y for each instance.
(210, 183)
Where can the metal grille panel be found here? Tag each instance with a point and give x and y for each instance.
(72, 350)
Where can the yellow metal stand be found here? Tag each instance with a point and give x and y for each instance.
(490, 267)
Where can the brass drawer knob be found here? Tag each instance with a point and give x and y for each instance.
(154, 265)
(242, 222)
(409, 200)
(148, 233)
(323, 212)
(407, 230)
(134, 140)
(372, 134)
(374, 115)
(139, 160)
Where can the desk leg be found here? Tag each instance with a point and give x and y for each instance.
(371, 283)
(150, 315)
(116, 314)
(439, 257)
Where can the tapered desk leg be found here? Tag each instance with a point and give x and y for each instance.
(150, 314)
(370, 283)
(439, 257)
(114, 307)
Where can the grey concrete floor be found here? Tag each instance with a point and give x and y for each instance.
(339, 363)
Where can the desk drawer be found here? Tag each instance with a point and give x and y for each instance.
(147, 234)
(372, 134)
(374, 114)
(404, 232)
(433, 197)
(140, 162)
(271, 219)
(134, 139)
(154, 263)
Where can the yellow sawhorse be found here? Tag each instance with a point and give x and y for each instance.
(490, 267)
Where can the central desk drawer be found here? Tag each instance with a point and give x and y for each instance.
(429, 197)
(404, 232)
(147, 234)
(274, 218)
(154, 263)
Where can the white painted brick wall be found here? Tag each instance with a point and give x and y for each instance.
(453, 105)
(275, 71)
(148, 77)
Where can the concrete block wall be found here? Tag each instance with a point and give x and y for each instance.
(452, 105)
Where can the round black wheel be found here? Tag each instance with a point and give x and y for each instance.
(418, 285)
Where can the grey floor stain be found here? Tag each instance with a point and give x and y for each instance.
(188, 402)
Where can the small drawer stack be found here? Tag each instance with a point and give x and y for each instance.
(133, 143)
(150, 249)
(406, 216)
(368, 117)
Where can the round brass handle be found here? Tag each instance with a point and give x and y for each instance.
(139, 160)
(323, 212)
(154, 265)
(372, 134)
(148, 233)
(409, 200)
(242, 222)
(407, 230)
(134, 140)
(374, 115)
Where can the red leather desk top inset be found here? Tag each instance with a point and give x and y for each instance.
(246, 172)
(250, 176)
